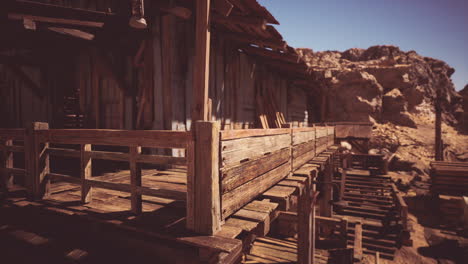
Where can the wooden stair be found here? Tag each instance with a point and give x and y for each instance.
(369, 200)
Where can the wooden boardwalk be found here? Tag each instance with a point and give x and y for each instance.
(109, 225)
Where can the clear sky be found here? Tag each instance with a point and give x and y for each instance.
(433, 28)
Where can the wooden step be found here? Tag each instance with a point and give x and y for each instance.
(365, 196)
(368, 201)
(375, 211)
(349, 211)
(362, 186)
(280, 195)
(262, 218)
(368, 183)
(382, 254)
(376, 241)
(371, 206)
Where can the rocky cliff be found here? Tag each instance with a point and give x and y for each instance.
(382, 84)
(396, 90)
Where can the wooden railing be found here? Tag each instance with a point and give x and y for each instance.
(38, 140)
(253, 160)
(225, 169)
(401, 207)
(9, 139)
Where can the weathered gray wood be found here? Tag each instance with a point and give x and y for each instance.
(201, 60)
(6, 165)
(305, 136)
(304, 148)
(205, 184)
(235, 176)
(235, 151)
(12, 133)
(305, 227)
(148, 138)
(36, 161)
(61, 152)
(240, 196)
(135, 180)
(245, 133)
(86, 173)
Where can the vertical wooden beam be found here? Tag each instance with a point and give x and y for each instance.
(205, 203)
(438, 129)
(86, 173)
(305, 225)
(95, 86)
(166, 72)
(135, 180)
(358, 241)
(190, 155)
(201, 62)
(6, 162)
(37, 162)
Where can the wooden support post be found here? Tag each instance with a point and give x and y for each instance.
(306, 226)
(342, 184)
(438, 129)
(37, 162)
(86, 173)
(358, 241)
(135, 180)
(202, 60)
(204, 194)
(326, 205)
(6, 162)
(344, 232)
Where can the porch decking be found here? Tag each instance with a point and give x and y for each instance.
(160, 228)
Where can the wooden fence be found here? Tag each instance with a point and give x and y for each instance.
(38, 140)
(10, 143)
(225, 169)
(252, 161)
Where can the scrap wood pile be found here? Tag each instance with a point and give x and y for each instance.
(450, 178)
(269, 114)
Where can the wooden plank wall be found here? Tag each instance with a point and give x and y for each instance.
(19, 104)
(235, 79)
(254, 160)
(304, 146)
(250, 164)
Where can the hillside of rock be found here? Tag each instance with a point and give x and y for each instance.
(383, 84)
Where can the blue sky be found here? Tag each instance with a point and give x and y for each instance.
(433, 28)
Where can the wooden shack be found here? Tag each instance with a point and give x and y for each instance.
(80, 64)
(211, 80)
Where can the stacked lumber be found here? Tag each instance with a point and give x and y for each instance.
(268, 112)
(450, 178)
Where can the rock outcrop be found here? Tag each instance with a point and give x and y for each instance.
(463, 115)
(382, 84)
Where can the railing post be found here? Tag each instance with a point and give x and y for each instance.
(6, 162)
(86, 173)
(203, 194)
(135, 180)
(37, 162)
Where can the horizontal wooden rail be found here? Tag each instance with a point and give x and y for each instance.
(244, 133)
(8, 139)
(401, 206)
(253, 160)
(170, 194)
(16, 171)
(118, 156)
(142, 138)
(12, 133)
